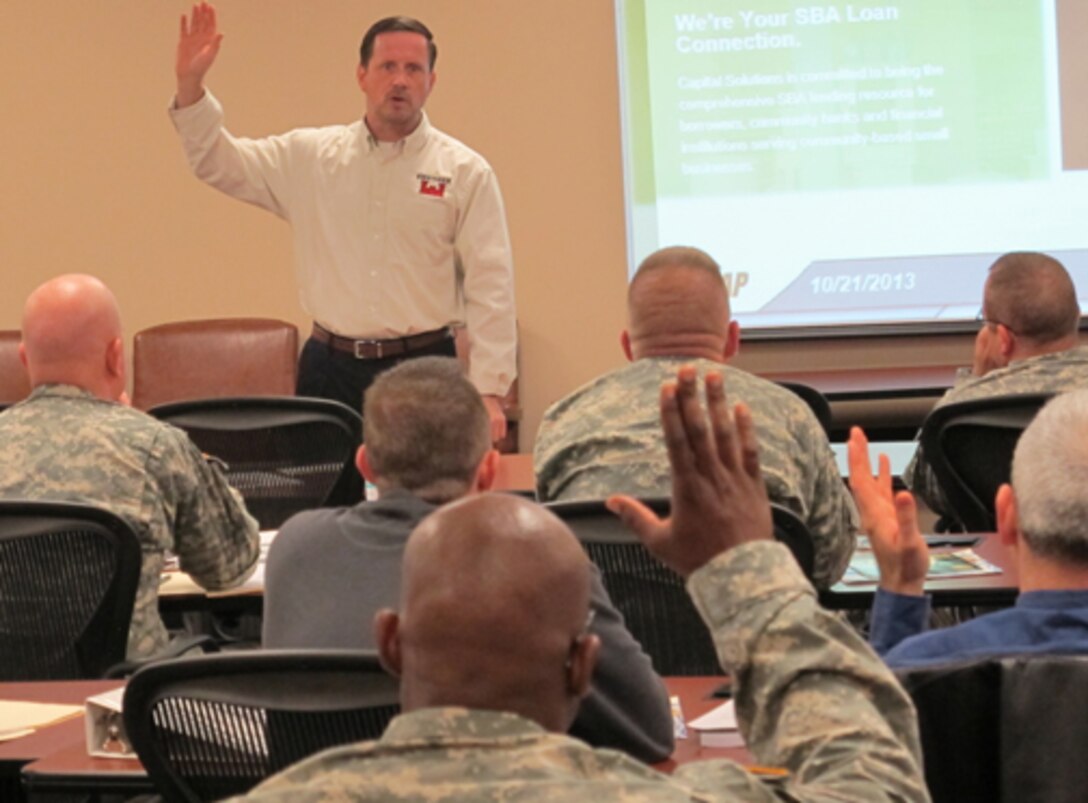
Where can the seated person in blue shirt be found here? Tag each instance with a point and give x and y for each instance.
(1042, 517)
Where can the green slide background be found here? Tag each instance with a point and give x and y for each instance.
(992, 93)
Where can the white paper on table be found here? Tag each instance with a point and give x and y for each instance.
(719, 718)
(18, 718)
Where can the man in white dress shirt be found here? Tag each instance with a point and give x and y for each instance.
(399, 229)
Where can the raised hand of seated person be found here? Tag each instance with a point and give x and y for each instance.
(889, 519)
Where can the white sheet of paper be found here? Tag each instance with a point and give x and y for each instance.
(720, 718)
(18, 717)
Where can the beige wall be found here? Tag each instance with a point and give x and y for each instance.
(1073, 66)
(94, 179)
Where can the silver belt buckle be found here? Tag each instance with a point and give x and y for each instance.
(377, 345)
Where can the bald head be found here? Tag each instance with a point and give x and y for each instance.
(677, 306)
(72, 335)
(494, 606)
(1033, 295)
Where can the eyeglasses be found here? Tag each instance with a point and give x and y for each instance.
(981, 318)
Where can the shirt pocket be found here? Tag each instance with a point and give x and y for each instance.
(427, 223)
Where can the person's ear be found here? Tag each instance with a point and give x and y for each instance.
(1006, 341)
(583, 660)
(1008, 517)
(360, 77)
(625, 344)
(115, 358)
(362, 462)
(22, 355)
(387, 637)
(487, 471)
(732, 341)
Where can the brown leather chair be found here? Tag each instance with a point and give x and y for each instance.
(14, 383)
(213, 359)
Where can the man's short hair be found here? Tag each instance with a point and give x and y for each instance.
(676, 256)
(1033, 295)
(391, 24)
(1050, 478)
(426, 428)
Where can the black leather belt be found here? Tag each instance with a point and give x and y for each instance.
(363, 349)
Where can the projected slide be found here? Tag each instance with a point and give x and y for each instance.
(854, 163)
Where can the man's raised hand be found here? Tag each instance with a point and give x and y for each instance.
(198, 45)
(889, 519)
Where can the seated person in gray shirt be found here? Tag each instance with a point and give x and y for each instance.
(428, 442)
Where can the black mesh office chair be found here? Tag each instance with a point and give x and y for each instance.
(652, 598)
(969, 446)
(819, 404)
(68, 579)
(283, 453)
(1003, 730)
(217, 725)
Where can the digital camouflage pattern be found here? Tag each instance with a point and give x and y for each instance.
(605, 438)
(1048, 373)
(811, 697)
(64, 444)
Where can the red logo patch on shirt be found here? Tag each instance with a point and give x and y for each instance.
(432, 185)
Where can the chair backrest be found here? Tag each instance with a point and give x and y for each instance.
(1006, 729)
(969, 446)
(284, 454)
(819, 404)
(652, 598)
(68, 579)
(14, 382)
(216, 725)
(211, 358)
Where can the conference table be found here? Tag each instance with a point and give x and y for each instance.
(515, 474)
(62, 739)
(54, 760)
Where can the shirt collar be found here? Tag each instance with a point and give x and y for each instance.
(1053, 599)
(444, 725)
(64, 391)
(1076, 352)
(412, 143)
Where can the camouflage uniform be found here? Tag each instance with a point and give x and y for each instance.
(811, 697)
(63, 443)
(1049, 373)
(605, 438)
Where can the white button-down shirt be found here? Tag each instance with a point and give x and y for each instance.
(390, 239)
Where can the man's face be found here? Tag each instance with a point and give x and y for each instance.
(396, 82)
